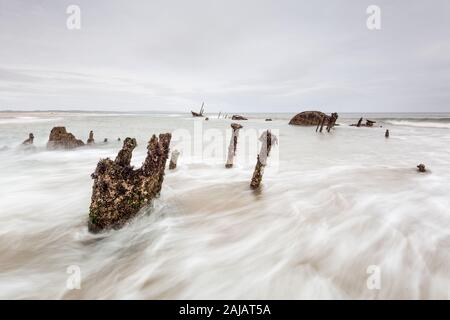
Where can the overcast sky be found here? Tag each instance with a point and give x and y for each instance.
(236, 55)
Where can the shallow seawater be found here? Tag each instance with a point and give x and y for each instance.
(332, 207)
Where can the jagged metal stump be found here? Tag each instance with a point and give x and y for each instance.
(90, 140)
(332, 121)
(30, 139)
(120, 191)
(174, 160)
(268, 140)
(233, 144)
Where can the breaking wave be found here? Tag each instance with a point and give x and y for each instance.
(336, 205)
(422, 122)
(25, 120)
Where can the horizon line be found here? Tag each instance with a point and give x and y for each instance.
(188, 112)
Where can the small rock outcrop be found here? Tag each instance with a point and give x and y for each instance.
(386, 134)
(120, 191)
(308, 118)
(29, 140)
(238, 117)
(60, 138)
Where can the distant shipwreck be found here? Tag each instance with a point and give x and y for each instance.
(199, 114)
(315, 118)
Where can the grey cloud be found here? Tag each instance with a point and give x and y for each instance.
(249, 55)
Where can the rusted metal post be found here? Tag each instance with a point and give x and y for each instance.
(174, 159)
(268, 140)
(323, 123)
(233, 144)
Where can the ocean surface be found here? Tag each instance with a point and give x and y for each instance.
(340, 215)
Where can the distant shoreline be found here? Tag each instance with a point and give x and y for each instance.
(188, 112)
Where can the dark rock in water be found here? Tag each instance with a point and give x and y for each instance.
(206, 118)
(421, 168)
(308, 118)
(60, 138)
(105, 140)
(29, 140)
(120, 191)
(118, 139)
(238, 117)
(268, 119)
(387, 134)
(90, 140)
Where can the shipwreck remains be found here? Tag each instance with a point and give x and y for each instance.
(421, 168)
(174, 159)
(307, 118)
(331, 121)
(233, 144)
(199, 114)
(29, 140)
(359, 122)
(120, 191)
(321, 123)
(90, 140)
(60, 138)
(369, 123)
(268, 140)
(315, 118)
(238, 117)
